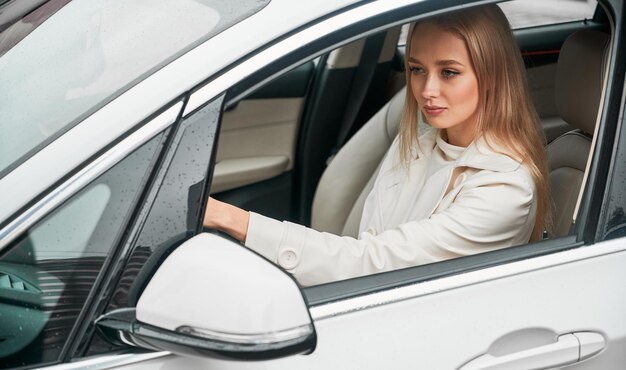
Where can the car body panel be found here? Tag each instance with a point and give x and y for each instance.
(434, 325)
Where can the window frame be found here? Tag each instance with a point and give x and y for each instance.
(596, 203)
(126, 247)
(589, 226)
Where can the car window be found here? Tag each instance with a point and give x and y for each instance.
(47, 275)
(261, 186)
(171, 213)
(87, 53)
(615, 216)
(531, 13)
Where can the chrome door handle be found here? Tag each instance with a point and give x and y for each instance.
(567, 350)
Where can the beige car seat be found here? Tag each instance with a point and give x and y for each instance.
(347, 181)
(578, 88)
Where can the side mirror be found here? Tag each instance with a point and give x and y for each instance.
(216, 298)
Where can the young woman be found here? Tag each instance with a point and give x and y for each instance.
(474, 181)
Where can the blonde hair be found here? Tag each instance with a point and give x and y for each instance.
(506, 114)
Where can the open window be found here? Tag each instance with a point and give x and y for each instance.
(314, 115)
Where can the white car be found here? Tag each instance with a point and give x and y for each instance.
(119, 118)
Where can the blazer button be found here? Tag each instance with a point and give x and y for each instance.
(288, 258)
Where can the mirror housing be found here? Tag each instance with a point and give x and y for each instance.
(215, 298)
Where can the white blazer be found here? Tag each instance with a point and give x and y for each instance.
(481, 201)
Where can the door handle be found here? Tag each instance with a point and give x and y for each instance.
(568, 349)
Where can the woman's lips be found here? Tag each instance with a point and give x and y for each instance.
(433, 110)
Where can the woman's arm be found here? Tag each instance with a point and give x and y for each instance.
(227, 218)
(491, 212)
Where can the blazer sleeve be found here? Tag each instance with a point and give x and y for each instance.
(490, 213)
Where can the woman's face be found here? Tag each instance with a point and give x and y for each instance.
(443, 82)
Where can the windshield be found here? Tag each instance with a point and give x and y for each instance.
(56, 71)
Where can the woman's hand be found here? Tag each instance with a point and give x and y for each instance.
(227, 218)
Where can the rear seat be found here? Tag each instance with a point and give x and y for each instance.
(579, 81)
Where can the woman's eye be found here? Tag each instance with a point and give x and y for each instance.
(417, 70)
(448, 73)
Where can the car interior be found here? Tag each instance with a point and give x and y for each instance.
(278, 148)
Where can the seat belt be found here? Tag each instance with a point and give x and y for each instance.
(362, 81)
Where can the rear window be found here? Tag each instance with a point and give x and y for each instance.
(531, 13)
(64, 60)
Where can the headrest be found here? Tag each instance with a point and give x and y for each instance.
(579, 78)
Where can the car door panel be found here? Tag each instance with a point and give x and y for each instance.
(237, 172)
(257, 144)
(562, 298)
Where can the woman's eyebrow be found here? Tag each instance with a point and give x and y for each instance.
(448, 62)
(443, 62)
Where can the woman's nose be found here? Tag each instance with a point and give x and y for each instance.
(430, 89)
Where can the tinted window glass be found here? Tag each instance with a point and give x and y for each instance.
(172, 212)
(615, 223)
(46, 276)
(87, 53)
